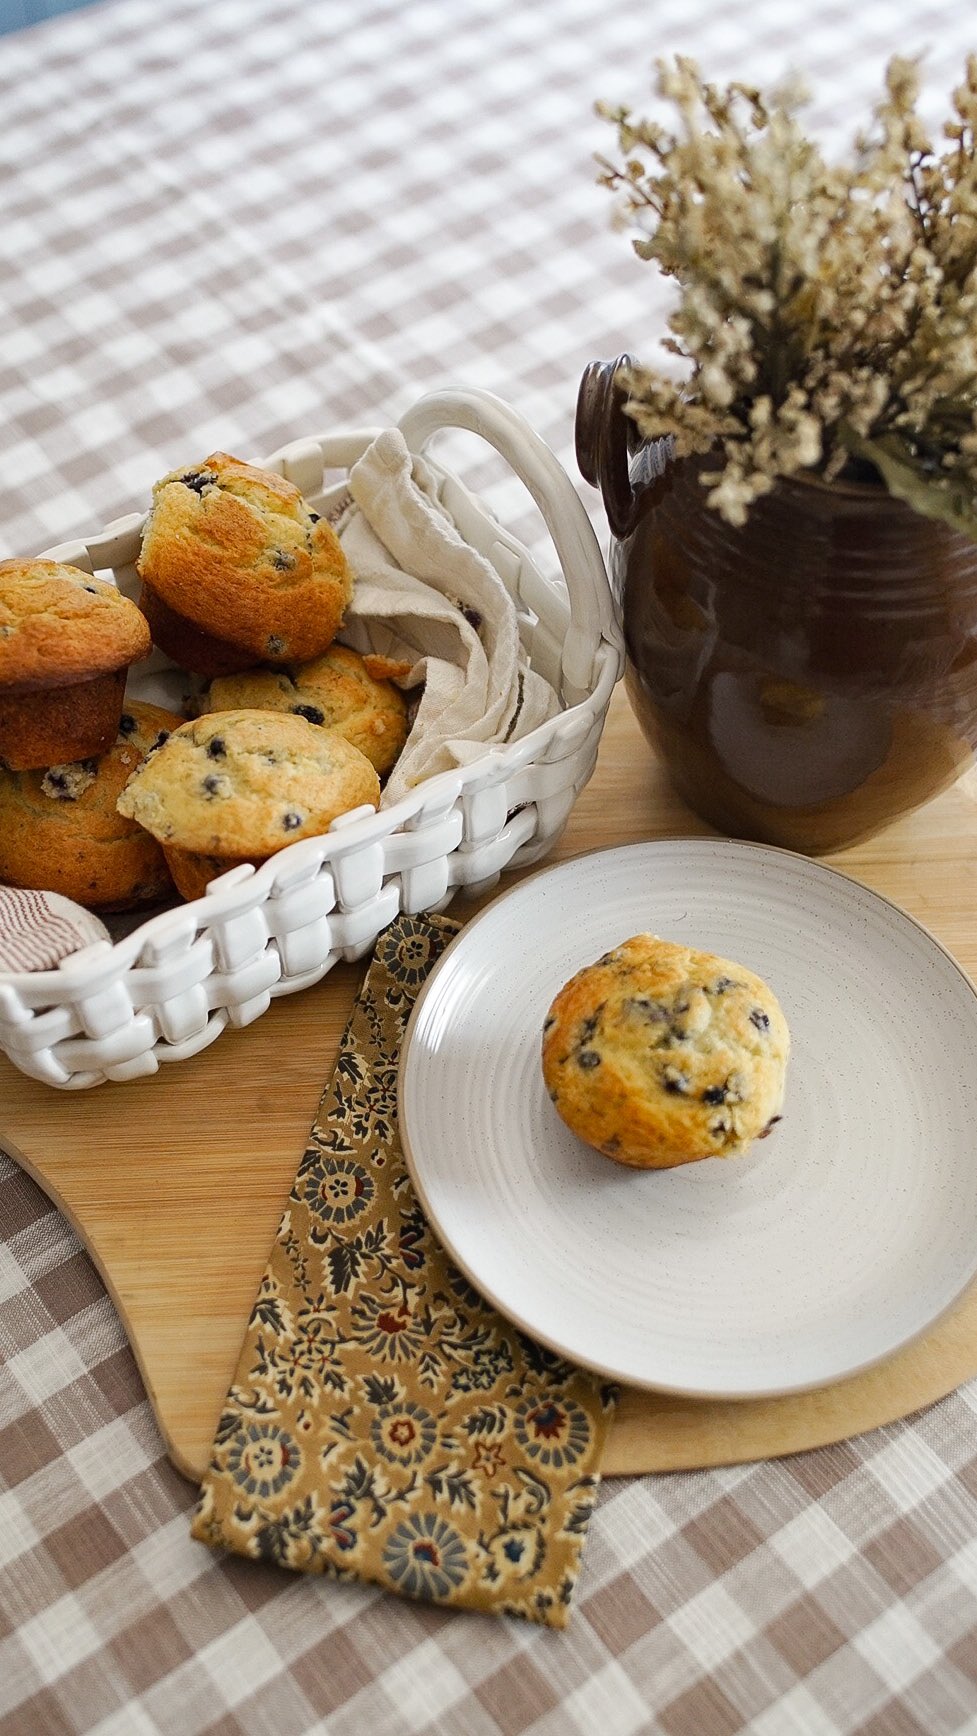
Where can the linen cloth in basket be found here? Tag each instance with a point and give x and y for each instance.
(442, 607)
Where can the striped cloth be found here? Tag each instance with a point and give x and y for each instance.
(38, 929)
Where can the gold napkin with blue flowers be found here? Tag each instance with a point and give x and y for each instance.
(385, 1423)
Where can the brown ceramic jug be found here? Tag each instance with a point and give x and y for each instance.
(807, 678)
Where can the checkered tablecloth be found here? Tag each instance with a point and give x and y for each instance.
(233, 222)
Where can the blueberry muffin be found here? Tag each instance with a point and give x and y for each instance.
(660, 1055)
(237, 786)
(66, 642)
(60, 830)
(236, 570)
(339, 690)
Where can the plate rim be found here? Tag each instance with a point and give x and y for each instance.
(605, 1369)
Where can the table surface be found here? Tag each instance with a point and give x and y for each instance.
(229, 224)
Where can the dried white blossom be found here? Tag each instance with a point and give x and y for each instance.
(827, 314)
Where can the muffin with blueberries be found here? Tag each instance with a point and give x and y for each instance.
(237, 570)
(66, 642)
(659, 1054)
(60, 830)
(237, 786)
(339, 690)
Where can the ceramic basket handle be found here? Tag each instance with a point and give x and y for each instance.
(591, 610)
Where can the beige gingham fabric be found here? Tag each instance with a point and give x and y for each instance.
(831, 1592)
(230, 223)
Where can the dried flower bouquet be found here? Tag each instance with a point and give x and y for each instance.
(827, 313)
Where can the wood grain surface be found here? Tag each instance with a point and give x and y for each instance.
(176, 1183)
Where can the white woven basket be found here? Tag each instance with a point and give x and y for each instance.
(171, 986)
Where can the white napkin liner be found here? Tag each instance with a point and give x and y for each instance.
(415, 578)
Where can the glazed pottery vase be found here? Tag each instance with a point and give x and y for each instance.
(807, 678)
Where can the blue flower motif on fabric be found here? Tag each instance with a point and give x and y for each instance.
(553, 1431)
(408, 953)
(338, 1190)
(425, 1557)
(263, 1458)
(515, 1553)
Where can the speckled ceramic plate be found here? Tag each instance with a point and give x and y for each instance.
(824, 1248)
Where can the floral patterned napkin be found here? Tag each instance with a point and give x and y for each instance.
(385, 1423)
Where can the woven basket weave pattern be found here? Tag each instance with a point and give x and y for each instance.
(172, 986)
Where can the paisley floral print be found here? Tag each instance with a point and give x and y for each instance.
(384, 1422)
(403, 1433)
(262, 1459)
(553, 1431)
(425, 1557)
(338, 1190)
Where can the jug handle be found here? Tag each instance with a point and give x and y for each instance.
(605, 440)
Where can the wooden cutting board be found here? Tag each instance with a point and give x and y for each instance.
(176, 1183)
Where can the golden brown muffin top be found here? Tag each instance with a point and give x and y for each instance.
(59, 626)
(246, 783)
(334, 691)
(660, 1054)
(237, 551)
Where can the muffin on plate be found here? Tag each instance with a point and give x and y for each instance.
(60, 830)
(660, 1055)
(339, 690)
(237, 786)
(237, 570)
(66, 642)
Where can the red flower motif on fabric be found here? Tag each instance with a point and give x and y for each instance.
(388, 1332)
(547, 1421)
(488, 1458)
(403, 1433)
(426, 1557)
(393, 1323)
(552, 1431)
